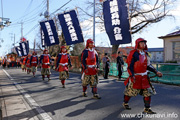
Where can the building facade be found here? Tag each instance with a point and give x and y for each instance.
(156, 54)
(171, 46)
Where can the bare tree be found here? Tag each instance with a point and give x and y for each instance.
(142, 13)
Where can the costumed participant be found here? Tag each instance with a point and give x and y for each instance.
(34, 63)
(45, 61)
(4, 62)
(62, 63)
(138, 82)
(89, 60)
(23, 63)
(28, 65)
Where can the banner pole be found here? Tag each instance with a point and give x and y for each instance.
(94, 22)
(129, 20)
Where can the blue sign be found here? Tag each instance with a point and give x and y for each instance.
(18, 51)
(70, 27)
(50, 33)
(24, 48)
(116, 21)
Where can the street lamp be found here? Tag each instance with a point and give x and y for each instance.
(4, 24)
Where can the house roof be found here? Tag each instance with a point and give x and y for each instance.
(155, 50)
(177, 33)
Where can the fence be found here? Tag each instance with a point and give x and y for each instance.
(171, 72)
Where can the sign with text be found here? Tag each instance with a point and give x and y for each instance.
(50, 35)
(116, 21)
(70, 27)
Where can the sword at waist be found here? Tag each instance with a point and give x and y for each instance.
(91, 66)
(142, 74)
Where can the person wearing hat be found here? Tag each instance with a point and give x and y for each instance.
(138, 83)
(23, 63)
(90, 65)
(28, 65)
(62, 63)
(4, 62)
(45, 61)
(120, 64)
(34, 62)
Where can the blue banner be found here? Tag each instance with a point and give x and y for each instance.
(70, 27)
(24, 48)
(50, 33)
(18, 51)
(116, 21)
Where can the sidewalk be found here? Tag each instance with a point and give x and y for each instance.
(14, 107)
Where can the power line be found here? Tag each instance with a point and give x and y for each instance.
(50, 14)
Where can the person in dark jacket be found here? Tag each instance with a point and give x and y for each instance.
(120, 64)
(106, 69)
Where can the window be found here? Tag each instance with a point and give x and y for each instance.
(176, 50)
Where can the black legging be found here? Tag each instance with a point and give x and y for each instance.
(119, 71)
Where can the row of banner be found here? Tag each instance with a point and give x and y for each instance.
(23, 48)
(116, 23)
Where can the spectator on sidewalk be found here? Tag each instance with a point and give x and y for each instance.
(107, 67)
(120, 64)
(104, 60)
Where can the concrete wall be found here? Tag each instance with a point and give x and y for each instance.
(168, 47)
(157, 56)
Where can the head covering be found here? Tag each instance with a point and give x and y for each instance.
(34, 53)
(140, 40)
(88, 42)
(44, 51)
(63, 46)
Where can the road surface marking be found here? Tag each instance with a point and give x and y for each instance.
(30, 100)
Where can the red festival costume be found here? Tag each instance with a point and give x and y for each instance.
(63, 61)
(45, 60)
(89, 59)
(28, 65)
(34, 62)
(137, 83)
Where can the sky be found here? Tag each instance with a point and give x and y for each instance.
(30, 12)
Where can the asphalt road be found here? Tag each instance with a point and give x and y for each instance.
(68, 103)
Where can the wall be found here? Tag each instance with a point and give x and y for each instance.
(168, 47)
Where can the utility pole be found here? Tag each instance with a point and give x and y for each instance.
(14, 40)
(48, 9)
(46, 15)
(34, 44)
(21, 29)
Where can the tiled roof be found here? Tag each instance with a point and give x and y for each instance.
(155, 49)
(177, 33)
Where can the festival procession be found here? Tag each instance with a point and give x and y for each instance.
(90, 60)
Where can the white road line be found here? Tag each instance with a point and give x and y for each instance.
(30, 100)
